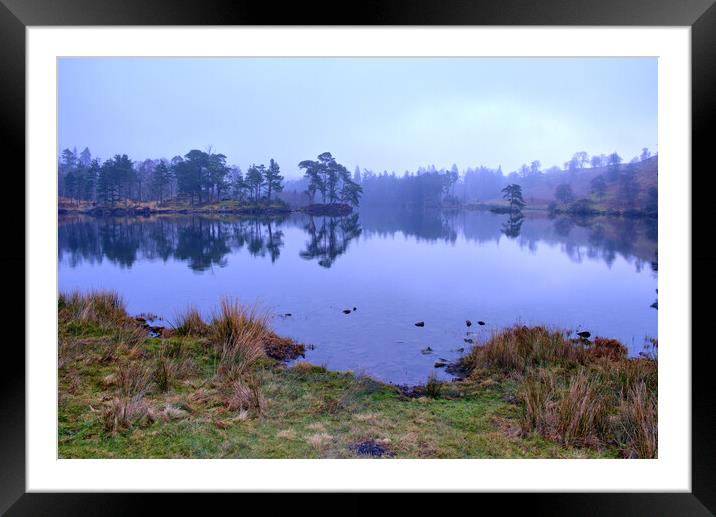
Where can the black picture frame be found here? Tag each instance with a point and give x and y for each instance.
(700, 15)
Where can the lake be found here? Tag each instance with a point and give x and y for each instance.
(396, 267)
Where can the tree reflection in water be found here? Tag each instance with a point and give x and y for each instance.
(329, 238)
(204, 242)
(511, 228)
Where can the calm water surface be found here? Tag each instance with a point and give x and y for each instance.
(396, 268)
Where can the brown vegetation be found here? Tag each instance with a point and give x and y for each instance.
(574, 391)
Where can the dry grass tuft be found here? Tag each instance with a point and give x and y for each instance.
(637, 423)
(246, 396)
(319, 440)
(572, 391)
(190, 323)
(520, 347)
(237, 334)
(129, 408)
(610, 349)
(433, 388)
(133, 380)
(103, 308)
(122, 413)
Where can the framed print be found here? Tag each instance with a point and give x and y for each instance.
(413, 250)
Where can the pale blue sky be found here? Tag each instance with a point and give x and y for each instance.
(379, 113)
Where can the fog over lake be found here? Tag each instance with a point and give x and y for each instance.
(396, 267)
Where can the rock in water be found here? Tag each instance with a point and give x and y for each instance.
(584, 334)
(480, 323)
(468, 323)
(441, 364)
(468, 340)
(346, 311)
(355, 309)
(426, 351)
(420, 324)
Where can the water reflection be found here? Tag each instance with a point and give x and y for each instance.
(397, 267)
(201, 242)
(204, 242)
(512, 226)
(329, 238)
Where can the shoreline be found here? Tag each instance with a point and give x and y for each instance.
(144, 211)
(130, 389)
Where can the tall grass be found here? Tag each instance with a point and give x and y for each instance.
(104, 308)
(573, 391)
(520, 347)
(238, 334)
(92, 311)
(637, 423)
(190, 323)
(128, 408)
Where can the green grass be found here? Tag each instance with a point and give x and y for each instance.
(307, 411)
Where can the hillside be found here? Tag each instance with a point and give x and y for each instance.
(540, 190)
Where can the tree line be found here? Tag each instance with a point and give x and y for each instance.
(197, 177)
(430, 186)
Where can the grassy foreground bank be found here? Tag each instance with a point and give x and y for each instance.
(221, 389)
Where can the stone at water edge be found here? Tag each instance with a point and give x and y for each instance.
(468, 323)
(420, 324)
(481, 323)
(346, 311)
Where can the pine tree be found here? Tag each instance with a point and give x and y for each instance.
(513, 193)
(273, 179)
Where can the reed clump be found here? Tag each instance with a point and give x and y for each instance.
(129, 407)
(574, 391)
(104, 308)
(238, 334)
(190, 323)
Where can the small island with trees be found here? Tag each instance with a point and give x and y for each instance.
(198, 182)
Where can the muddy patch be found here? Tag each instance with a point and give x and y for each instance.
(370, 449)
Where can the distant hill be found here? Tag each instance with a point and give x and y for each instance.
(539, 190)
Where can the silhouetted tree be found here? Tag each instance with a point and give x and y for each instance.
(613, 161)
(273, 179)
(161, 178)
(563, 193)
(255, 179)
(513, 193)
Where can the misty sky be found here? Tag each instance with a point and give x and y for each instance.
(379, 113)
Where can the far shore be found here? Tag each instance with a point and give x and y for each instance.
(229, 207)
